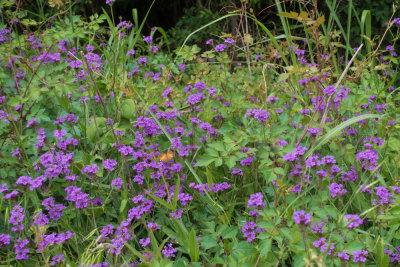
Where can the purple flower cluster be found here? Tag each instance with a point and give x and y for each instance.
(214, 187)
(353, 220)
(324, 246)
(359, 255)
(169, 251)
(293, 156)
(75, 195)
(4, 240)
(301, 217)
(21, 253)
(256, 201)
(369, 159)
(16, 218)
(337, 189)
(44, 241)
(54, 210)
(258, 114)
(384, 196)
(109, 164)
(220, 47)
(249, 230)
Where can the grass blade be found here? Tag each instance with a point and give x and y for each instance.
(338, 129)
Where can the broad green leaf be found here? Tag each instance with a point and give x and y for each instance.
(128, 109)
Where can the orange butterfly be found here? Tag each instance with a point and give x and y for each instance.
(167, 157)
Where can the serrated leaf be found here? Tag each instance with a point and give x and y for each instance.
(265, 246)
(205, 160)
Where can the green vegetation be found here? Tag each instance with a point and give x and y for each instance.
(262, 146)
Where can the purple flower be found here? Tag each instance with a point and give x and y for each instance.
(300, 217)
(256, 201)
(11, 195)
(40, 219)
(343, 255)
(109, 2)
(220, 47)
(280, 142)
(237, 171)
(195, 98)
(31, 123)
(384, 196)
(318, 243)
(4, 240)
(292, 156)
(153, 49)
(229, 41)
(177, 214)
(144, 241)
(57, 259)
(349, 176)
(54, 210)
(353, 220)
(148, 39)
(117, 182)
(317, 227)
(130, 52)
(337, 189)
(16, 218)
(24, 180)
(3, 188)
(169, 251)
(209, 41)
(247, 161)
(314, 131)
(248, 231)
(21, 253)
(330, 90)
(75, 195)
(369, 159)
(182, 67)
(359, 256)
(107, 230)
(109, 164)
(142, 60)
(258, 114)
(257, 57)
(153, 226)
(36, 183)
(90, 170)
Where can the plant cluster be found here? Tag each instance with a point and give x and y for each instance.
(116, 153)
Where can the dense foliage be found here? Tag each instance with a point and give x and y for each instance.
(255, 151)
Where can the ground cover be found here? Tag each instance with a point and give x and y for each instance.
(276, 150)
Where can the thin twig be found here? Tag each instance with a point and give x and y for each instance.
(99, 94)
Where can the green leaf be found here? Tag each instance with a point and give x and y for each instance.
(265, 246)
(211, 152)
(91, 131)
(193, 246)
(324, 139)
(383, 260)
(128, 109)
(229, 232)
(205, 160)
(219, 146)
(208, 242)
(218, 162)
(176, 193)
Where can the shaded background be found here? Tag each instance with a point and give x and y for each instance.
(181, 17)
